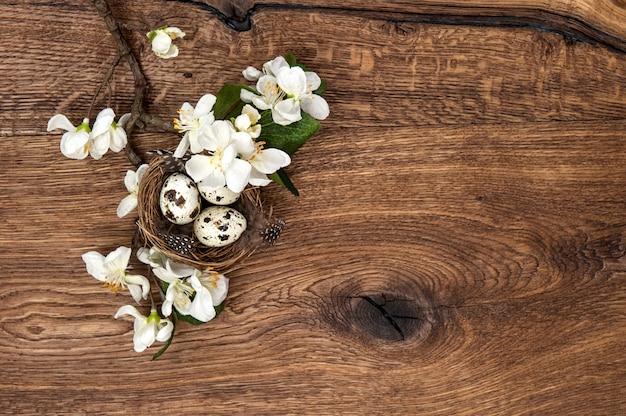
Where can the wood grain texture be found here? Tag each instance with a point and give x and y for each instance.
(457, 248)
(590, 20)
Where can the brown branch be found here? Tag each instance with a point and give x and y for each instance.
(161, 124)
(141, 85)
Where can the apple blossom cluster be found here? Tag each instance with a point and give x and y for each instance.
(243, 145)
(225, 152)
(81, 141)
(286, 90)
(193, 294)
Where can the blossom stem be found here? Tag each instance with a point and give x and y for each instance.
(106, 81)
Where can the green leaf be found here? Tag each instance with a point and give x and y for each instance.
(321, 89)
(287, 138)
(281, 178)
(228, 103)
(167, 343)
(292, 61)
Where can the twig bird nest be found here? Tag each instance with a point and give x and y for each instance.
(179, 243)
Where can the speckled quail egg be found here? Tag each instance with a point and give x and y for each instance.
(219, 196)
(219, 226)
(180, 200)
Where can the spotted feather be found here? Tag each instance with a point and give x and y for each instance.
(171, 163)
(182, 244)
(271, 233)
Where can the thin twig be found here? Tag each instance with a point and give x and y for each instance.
(106, 81)
(141, 85)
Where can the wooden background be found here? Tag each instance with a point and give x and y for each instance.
(468, 185)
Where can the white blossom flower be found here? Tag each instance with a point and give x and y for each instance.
(269, 94)
(106, 134)
(112, 271)
(210, 289)
(161, 41)
(75, 141)
(202, 307)
(215, 283)
(78, 142)
(131, 181)
(269, 68)
(286, 91)
(147, 328)
(298, 86)
(221, 167)
(264, 162)
(247, 121)
(192, 121)
(178, 294)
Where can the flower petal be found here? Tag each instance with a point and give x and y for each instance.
(202, 305)
(292, 81)
(129, 310)
(127, 205)
(258, 179)
(205, 105)
(270, 160)
(100, 145)
(165, 330)
(145, 334)
(123, 120)
(199, 167)
(118, 138)
(272, 67)
(172, 52)
(174, 32)
(161, 42)
(315, 106)
(182, 147)
(95, 264)
(103, 122)
(74, 144)
(220, 290)
(60, 121)
(245, 95)
(118, 259)
(251, 73)
(313, 81)
(286, 112)
(130, 180)
(237, 176)
(214, 181)
(243, 143)
(136, 281)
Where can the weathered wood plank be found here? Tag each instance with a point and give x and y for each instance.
(433, 74)
(590, 20)
(468, 184)
(514, 276)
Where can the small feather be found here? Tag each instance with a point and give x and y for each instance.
(182, 244)
(271, 233)
(171, 163)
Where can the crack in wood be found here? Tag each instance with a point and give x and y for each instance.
(571, 28)
(386, 315)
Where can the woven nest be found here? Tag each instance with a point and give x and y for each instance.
(178, 242)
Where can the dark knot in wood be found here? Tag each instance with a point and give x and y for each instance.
(395, 309)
